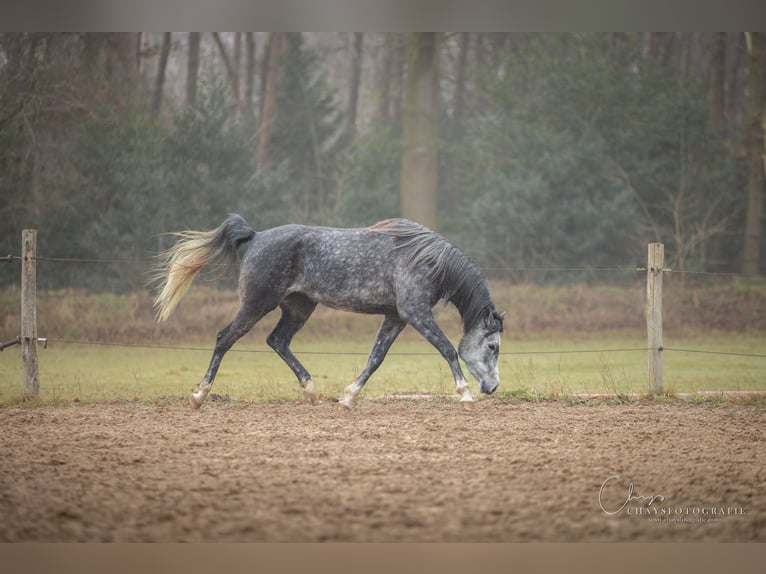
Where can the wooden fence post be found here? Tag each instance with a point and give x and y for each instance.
(654, 269)
(29, 367)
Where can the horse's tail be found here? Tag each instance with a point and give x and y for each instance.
(180, 264)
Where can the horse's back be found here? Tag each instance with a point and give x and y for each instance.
(331, 246)
(351, 269)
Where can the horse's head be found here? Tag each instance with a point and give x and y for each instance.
(480, 347)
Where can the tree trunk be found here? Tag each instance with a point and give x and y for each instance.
(460, 82)
(264, 73)
(232, 72)
(383, 87)
(269, 108)
(397, 84)
(192, 68)
(756, 153)
(122, 67)
(162, 66)
(421, 114)
(129, 59)
(91, 48)
(143, 52)
(249, 72)
(237, 65)
(450, 189)
(735, 101)
(717, 77)
(353, 96)
(660, 46)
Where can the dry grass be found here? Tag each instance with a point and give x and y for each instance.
(542, 322)
(717, 305)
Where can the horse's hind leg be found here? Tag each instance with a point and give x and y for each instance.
(296, 309)
(242, 323)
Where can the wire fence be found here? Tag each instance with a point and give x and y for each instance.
(153, 261)
(404, 354)
(345, 353)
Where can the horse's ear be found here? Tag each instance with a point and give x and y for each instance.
(493, 318)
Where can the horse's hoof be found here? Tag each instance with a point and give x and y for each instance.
(343, 407)
(196, 399)
(467, 406)
(308, 392)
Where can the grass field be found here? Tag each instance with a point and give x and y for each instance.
(543, 325)
(539, 365)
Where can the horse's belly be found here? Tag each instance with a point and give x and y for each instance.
(361, 307)
(356, 299)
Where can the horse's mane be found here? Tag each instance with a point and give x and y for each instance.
(457, 278)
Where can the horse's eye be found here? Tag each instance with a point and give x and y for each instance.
(492, 347)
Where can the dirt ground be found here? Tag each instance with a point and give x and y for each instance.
(408, 471)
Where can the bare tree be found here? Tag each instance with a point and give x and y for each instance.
(756, 121)
(356, 76)
(717, 77)
(249, 72)
(231, 65)
(383, 80)
(397, 78)
(237, 65)
(735, 78)
(660, 46)
(421, 115)
(449, 188)
(686, 55)
(459, 99)
(269, 106)
(162, 66)
(122, 66)
(192, 68)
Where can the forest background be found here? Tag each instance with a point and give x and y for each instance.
(550, 159)
(528, 151)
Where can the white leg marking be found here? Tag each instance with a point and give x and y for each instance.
(308, 391)
(349, 395)
(462, 389)
(466, 400)
(198, 397)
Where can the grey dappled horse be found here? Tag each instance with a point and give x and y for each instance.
(396, 268)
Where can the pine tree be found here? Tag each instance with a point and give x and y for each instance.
(306, 122)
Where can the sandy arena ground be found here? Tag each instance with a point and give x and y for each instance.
(407, 471)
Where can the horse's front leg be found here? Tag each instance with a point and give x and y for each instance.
(389, 330)
(425, 324)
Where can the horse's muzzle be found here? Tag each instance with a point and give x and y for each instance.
(488, 387)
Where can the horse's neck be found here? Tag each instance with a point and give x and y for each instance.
(473, 301)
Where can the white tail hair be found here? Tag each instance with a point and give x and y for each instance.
(180, 264)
